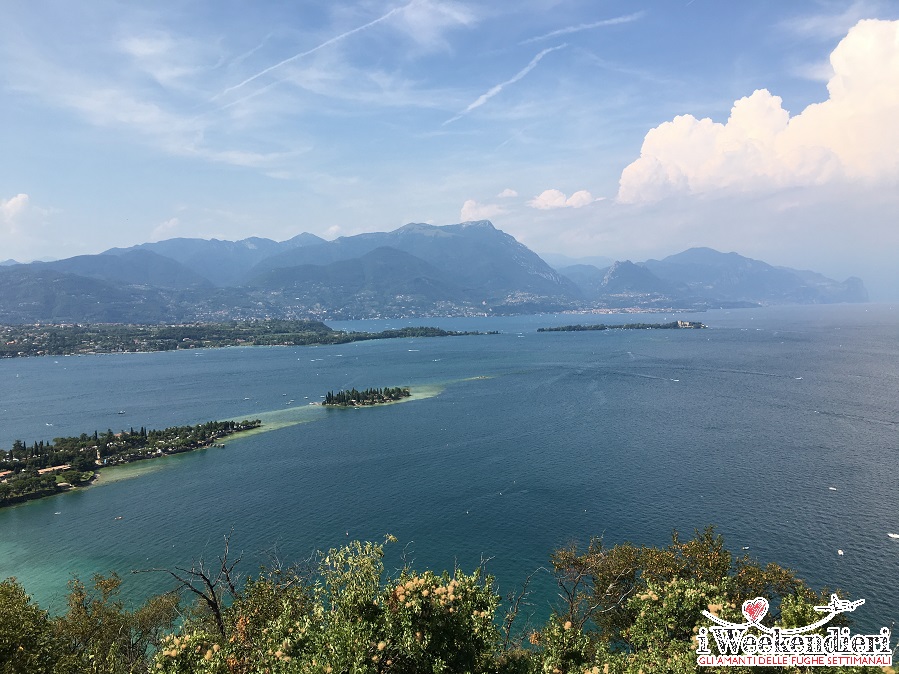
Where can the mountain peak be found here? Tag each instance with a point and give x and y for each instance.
(479, 224)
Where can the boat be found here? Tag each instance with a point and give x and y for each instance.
(893, 535)
(120, 412)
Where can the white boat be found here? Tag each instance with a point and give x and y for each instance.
(893, 535)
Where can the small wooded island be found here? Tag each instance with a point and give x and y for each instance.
(370, 396)
(43, 469)
(673, 325)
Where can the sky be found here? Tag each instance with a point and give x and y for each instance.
(622, 129)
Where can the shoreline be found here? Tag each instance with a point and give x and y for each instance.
(125, 468)
(272, 420)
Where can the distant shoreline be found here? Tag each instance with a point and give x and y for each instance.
(22, 341)
(673, 325)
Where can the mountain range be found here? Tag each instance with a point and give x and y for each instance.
(470, 268)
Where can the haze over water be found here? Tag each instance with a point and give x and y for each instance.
(518, 443)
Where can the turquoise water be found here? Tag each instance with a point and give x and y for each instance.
(521, 442)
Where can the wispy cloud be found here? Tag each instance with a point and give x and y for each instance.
(319, 47)
(829, 26)
(628, 18)
(493, 91)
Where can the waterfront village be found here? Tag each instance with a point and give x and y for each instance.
(46, 468)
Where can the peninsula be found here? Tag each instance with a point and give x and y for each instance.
(43, 469)
(673, 325)
(370, 396)
(72, 339)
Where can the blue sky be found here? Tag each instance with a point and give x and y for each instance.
(622, 129)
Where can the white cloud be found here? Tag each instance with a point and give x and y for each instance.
(579, 199)
(472, 210)
(165, 230)
(426, 21)
(549, 199)
(507, 193)
(166, 58)
(12, 209)
(854, 135)
(23, 227)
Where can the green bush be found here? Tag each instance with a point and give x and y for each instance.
(625, 610)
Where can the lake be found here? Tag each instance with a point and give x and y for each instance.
(777, 425)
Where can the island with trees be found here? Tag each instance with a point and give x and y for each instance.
(72, 339)
(46, 468)
(673, 325)
(370, 396)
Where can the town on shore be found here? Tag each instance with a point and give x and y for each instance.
(46, 468)
(81, 339)
(673, 325)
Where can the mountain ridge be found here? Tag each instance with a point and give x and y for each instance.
(469, 268)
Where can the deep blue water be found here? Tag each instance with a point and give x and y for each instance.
(532, 441)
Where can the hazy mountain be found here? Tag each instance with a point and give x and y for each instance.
(385, 280)
(133, 267)
(464, 269)
(481, 259)
(224, 263)
(34, 292)
(616, 279)
(710, 274)
(558, 261)
(8, 263)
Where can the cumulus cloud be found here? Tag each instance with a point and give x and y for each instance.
(165, 230)
(854, 135)
(23, 227)
(472, 210)
(12, 209)
(549, 199)
(507, 193)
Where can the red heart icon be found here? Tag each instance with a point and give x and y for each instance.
(755, 609)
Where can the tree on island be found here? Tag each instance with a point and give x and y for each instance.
(370, 396)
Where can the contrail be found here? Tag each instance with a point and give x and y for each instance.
(636, 16)
(483, 98)
(324, 44)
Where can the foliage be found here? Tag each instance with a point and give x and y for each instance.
(27, 641)
(344, 615)
(632, 609)
(100, 635)
(370, 396)
(625, 610)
